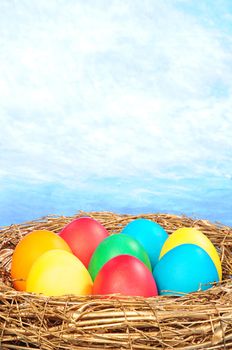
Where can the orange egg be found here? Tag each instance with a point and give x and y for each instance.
(29, 248)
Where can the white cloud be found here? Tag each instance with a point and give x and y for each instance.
(119, 89)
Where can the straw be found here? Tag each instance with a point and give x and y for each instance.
(201, 320)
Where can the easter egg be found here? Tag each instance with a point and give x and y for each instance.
(116, 245)
(58, 272)
(150, 234)
(29, 248)
(193, 236)
(184, 269)
(127, 275)
(83, 236)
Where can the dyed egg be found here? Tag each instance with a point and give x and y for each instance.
(116, 245)
(83, 236)
(184, 269)
(58, 272)
(28, 250)
(150, 234)
(126, 275)
(192, 236)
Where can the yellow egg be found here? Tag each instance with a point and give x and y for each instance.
(58, 272)
(188, 235)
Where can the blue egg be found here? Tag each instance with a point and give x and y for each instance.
(149, 234)
(184, 269)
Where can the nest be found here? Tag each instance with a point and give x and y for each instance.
(200, 320)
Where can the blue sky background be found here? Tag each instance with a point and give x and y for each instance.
(115, 105)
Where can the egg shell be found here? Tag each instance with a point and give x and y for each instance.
(114, 245)
(83, 235)
(150, 234)
(188, 235)
(29, 248)
(127, 275)
(184, 269)
(57, 273)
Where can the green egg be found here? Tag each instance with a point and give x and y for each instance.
(115, 245)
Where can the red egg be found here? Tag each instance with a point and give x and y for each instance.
(83, 236)
(127, 275)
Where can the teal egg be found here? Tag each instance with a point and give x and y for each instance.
(184, 269)
(149, 234)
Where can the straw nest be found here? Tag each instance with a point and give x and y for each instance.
(201, 320)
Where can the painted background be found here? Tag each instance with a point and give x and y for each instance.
(121, 105)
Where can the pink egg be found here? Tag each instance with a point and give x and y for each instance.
(127, 275)
(83, 236)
